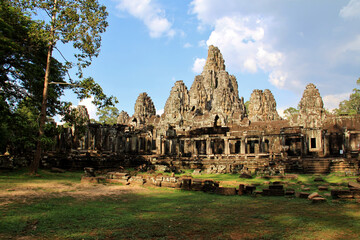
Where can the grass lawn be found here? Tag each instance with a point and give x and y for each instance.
(158, 213)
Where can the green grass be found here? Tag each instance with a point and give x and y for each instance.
(11, 179)
(178, 214)
(160, 213)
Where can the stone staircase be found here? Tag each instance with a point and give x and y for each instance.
(316, 165)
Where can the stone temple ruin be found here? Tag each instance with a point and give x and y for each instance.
(208, 127)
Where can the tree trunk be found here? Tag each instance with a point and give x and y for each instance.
(36, 161)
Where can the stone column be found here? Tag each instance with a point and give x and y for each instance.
(347, 148)
(158, 145)
(227, 146)
(162, 146)
(208, 147)
(242, 146)
(326, 144)
(195, 148)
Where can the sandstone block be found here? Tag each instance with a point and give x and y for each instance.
(226, 191)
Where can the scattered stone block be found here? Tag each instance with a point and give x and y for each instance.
(245, 175)
(313, 195)
(137, 180)
(354, 185)
(241, 189)
(109, 180)
(318, 200)
(210, 186)
(249, 189)
(273, 192)
(57, 170)
(169, 184)
(358, 179)
(89, 172)
(258, 192)
(197, 185)
(158, 183)
(303, 195)
(186, 183)
(291, 176)
(323, 188)
(85, 179)
(227, 191)
(276, 186)
(197, 172)
(306, 189)
(319, 179)
(290, 192)
(355, 192)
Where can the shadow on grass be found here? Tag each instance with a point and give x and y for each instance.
(176, 214)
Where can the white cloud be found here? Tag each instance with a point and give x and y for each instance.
(244, 45)
(332, 101)
(198, 65)
(152, 16)
(353, 45)
(281, 110)
(160, 112)
(202, 43)
(351, 10)
(187, 45)
(276, 40)
(278, 78)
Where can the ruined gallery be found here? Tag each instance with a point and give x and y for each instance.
(208, 127)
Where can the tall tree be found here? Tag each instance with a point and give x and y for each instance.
(22, 64)
(290, 112)
(108, 115)
(80, 22)
(351, 106)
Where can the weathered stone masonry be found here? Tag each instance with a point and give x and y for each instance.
(208, 127)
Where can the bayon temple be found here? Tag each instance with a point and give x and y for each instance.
(208, 127)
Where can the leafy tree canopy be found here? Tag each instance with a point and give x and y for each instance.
(290, 112)
(108, 115)
(351, 106)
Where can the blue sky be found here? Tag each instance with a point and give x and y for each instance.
(279, 45)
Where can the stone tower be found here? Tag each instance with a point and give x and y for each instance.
(262, 106)
(143, 110)
(177, 105)
(123, 118)
(215, 91)
(311, 108)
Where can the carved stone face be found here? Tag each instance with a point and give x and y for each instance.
(256, 102)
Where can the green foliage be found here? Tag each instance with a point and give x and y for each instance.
(24, 47)
(75, 120)
(247, 106)
(80, 22)
(23, 61)
(108, 115)
(290, 112)
(351, 106)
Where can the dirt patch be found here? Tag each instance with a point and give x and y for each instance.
(28, 191)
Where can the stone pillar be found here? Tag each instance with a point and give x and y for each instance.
(202, 147)
(347, 147)
(242, 146)
(326, 145)
(227, 146)
(158, 145)
(162, 146)
(195, 148)
(208, 147)
(257, 147)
